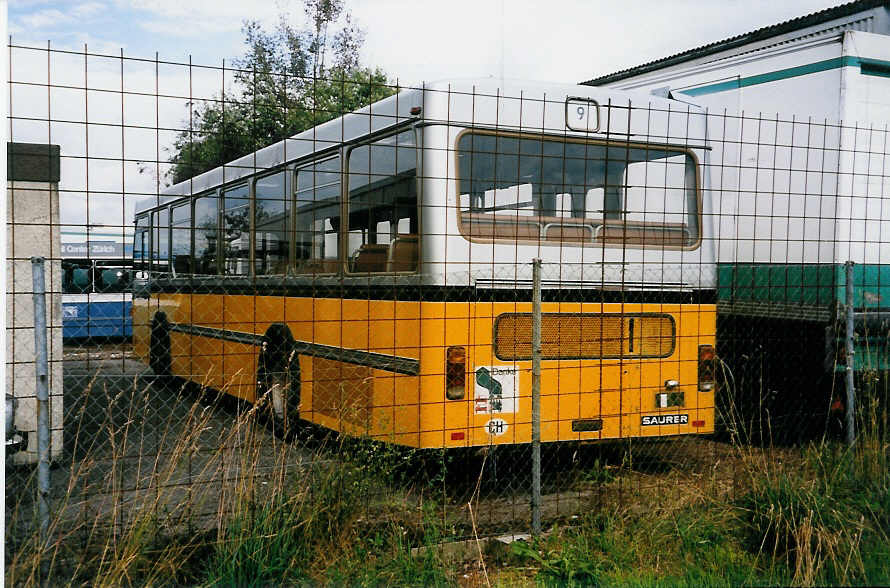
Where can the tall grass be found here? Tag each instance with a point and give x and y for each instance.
(811, 515)
(202, 497)
(190, 494)
(825, 517)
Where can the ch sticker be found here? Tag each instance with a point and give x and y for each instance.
(496, 427)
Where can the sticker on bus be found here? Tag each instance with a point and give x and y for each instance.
(496, 389)
(496, 427)
(665, 419)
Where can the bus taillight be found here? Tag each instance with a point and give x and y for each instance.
(707, 368)
(455, 372)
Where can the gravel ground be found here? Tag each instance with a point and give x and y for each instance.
(136, 442)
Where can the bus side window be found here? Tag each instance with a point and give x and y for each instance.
(271, 213)
(181, 241)
(236, 230)
(75, 278)
(317, 233)
(114, 279)
(81, 279)
(382, 202)
(206, 223)
(160, 257)
(140, 245)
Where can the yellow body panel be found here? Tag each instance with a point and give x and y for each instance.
(412, 410)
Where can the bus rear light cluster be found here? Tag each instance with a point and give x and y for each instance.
(455, 372)
(707, 368)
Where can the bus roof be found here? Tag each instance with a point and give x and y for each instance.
(482, 102)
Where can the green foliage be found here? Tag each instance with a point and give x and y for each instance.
(570, 566)
(382, 557)
(278, 538)
(690, 547)
(289, 80)
(824, 521)
(597, 474)
(325, 532)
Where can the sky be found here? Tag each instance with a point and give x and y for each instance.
(415, 40)
(411, 40)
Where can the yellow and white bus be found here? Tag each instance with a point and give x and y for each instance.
(372, 275)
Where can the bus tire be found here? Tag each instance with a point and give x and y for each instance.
(278, 381)
(159, 345)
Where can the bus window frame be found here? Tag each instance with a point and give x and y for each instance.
(153, 212)
(221, 212)
(566, 138)
(143, 267)
(187, 202)
(344, 203)
(289, 174)
(215, 194)
(293, 170)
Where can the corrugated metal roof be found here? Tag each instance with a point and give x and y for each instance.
(781, 28)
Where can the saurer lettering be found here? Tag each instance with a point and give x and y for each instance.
(665, 419)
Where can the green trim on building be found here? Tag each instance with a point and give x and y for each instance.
(871, 285)
(812, 293)
(804, 284)
(869, 67)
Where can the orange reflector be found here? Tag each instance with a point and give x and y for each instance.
(698, 423)
(455, 372)
(457, 436)
(707, 368)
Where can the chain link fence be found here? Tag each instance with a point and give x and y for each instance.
(346, 317)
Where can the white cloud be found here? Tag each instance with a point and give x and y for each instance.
(87, 9)
(52, 17)
(203, 16)
(45, 18)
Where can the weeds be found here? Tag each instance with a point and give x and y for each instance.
(256, 511)
(148, 503)
(800, 516)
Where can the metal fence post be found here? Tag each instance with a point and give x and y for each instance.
(850, 353)
(536, 397)
(42, 369)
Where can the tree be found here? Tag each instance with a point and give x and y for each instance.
(289, 80)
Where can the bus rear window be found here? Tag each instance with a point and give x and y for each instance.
(540, 189)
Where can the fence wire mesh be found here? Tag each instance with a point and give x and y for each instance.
(344, 318)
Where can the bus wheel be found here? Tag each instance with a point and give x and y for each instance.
(159, 345)
(278, 381)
